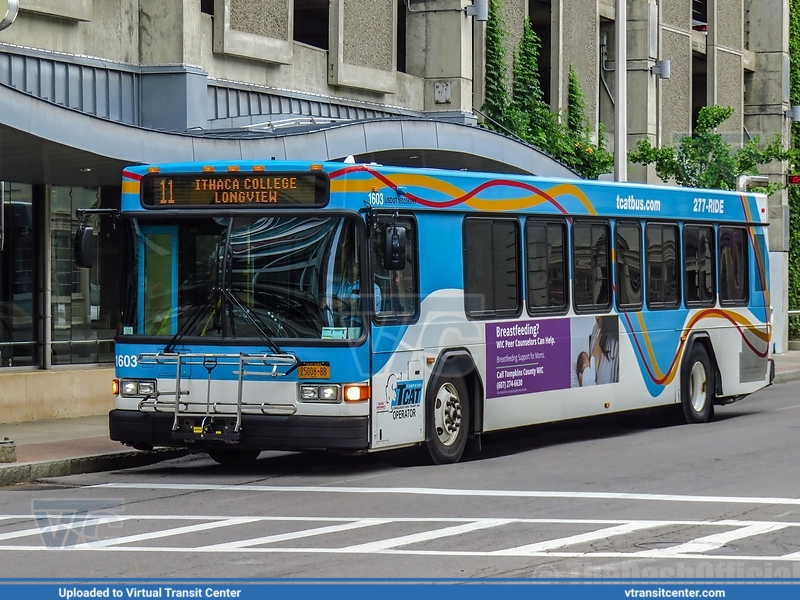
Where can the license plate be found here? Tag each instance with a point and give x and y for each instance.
(314, 371)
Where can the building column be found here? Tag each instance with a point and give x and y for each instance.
(643, 107)
(766, 99)
(439, 49)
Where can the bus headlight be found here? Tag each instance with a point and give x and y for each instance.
(134, 388)
(319, 393)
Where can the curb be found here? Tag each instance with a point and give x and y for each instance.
(14, 474)
(786, 376)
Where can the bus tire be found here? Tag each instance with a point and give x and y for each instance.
(448, 419)
(697, 386)
(233, 456)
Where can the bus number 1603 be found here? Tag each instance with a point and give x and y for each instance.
(127, 360)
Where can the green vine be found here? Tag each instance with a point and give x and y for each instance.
(496, 104)
(794, 191)
(526, 115)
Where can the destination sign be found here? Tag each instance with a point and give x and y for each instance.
(235, 190)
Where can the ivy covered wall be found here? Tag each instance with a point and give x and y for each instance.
(794, 191)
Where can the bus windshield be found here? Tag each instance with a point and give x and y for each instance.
(245, 276)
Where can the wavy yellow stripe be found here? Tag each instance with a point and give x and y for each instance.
(131, 187)
(572, 190)
(433, 183)
(734, 316)
(740, 319)
(426, 181)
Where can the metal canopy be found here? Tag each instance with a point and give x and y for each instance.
(41, 142)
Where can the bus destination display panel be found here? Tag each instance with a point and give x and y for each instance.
(243, 190)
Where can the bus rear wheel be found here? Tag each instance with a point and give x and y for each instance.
(233, 456)
(697, 387)
(448, 420)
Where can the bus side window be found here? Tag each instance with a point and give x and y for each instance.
(591, 264)
(398, 288)
(698, 248)
(733, 258)
(629, 265)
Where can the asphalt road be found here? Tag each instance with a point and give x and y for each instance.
(631, 496)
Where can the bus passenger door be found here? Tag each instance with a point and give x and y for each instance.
(397, 404)
(397, 413)
(158, 275)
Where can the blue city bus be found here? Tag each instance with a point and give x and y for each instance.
(357, 308)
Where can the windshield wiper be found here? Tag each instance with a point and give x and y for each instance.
(199, 312)
(252, 318)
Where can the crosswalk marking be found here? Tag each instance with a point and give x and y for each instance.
(162, 533)
(85, 536)
(295, 535)
(717, 540)
(81, 524)
(425, 536)
(581, 538)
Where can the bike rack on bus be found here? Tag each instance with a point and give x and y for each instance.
(280, 365)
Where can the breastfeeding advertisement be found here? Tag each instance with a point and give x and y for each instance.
(523, 357)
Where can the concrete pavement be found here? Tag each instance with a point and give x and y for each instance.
(58, 447)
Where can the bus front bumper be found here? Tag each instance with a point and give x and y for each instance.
(264, 432)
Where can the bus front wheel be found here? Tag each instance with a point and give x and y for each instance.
(233, 456)
(448, 420)
(697, 387)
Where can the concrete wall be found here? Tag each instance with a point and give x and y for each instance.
(725, 66)
(676, 93)
(61, 393)
(576, 38)
(102, 28)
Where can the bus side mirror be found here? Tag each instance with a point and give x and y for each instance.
(394, 255)
(84, 246)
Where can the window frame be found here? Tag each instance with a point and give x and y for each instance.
(663, 305)
(715, 292)
(494, 313)
(548, 310)
(630, 307)
(592, 308)
(386, 317)
(746, 262)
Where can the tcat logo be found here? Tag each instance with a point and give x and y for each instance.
(408, 393)
(403, 397)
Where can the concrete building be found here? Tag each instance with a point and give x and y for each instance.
(88, 86)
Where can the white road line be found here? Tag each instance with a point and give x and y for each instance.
(580, 538)
(452, 492)
(162, 533)
(293, 535)
(403, 552)
(695, 549)
(61, 527)
(717, 540)
(425, 536)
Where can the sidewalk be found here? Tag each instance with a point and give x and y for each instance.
(59, 447)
